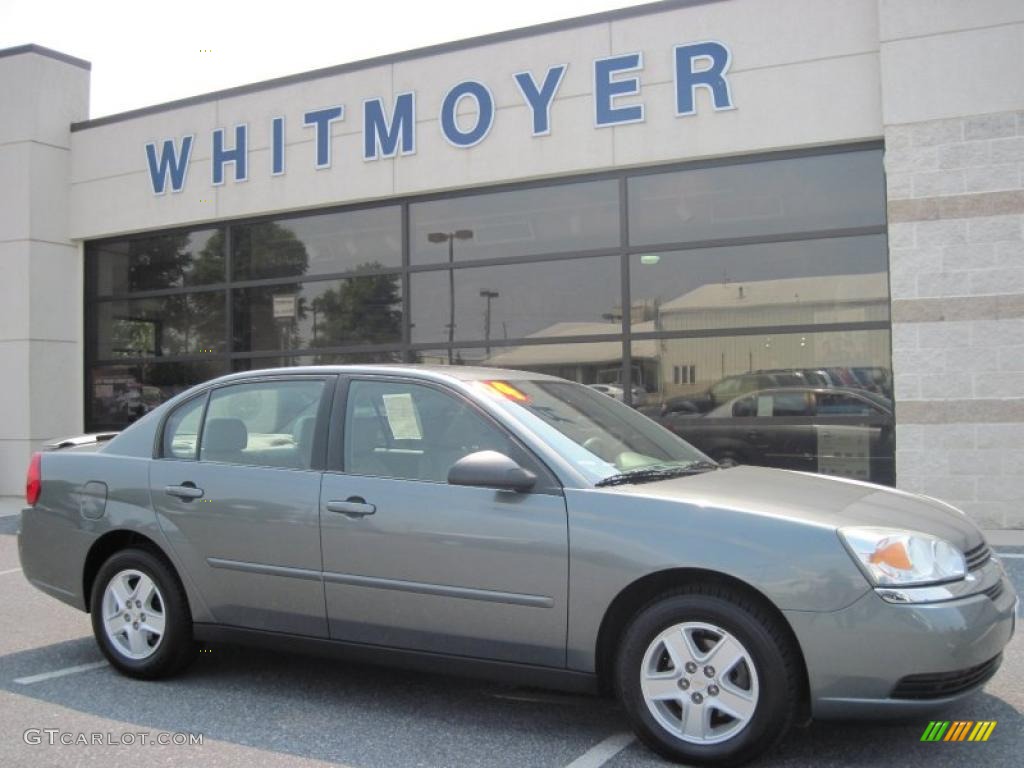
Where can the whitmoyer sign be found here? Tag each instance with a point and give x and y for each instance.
(390, 130)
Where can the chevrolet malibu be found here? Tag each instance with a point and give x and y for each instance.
(520, 527)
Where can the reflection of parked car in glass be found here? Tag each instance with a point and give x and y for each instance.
(639, 394)
(609, 389)
(833, 431)
(733, 386)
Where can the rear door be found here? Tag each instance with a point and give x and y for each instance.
(412, 562)
(237, 490)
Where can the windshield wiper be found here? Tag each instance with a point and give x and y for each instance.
(650, 474)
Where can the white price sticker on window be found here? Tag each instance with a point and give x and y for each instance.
(403, 419)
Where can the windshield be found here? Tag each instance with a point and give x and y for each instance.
(600, 436)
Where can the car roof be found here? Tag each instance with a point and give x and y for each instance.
(860, 393)
(414, 370)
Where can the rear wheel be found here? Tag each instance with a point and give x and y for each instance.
(708, 676)
(140, 615)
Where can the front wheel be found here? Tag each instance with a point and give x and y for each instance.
(140, 615)
(708, 677)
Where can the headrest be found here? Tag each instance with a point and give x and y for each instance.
(222, 435)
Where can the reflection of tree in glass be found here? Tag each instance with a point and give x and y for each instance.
(195, 321)
(175, 324)
(132, 338)
(165, 261)
(266, 250)
(360, 310)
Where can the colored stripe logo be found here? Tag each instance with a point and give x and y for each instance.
(958, 730)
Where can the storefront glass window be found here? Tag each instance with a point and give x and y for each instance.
(353, 241)
(156, 262)
(805, 282)
(804, 194)
(181, 324)
(526, 222)
(326, 313)
(572, 297)
(814, 401)
(747, 311)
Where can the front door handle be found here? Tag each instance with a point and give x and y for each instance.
(353, 506)
(186, 491)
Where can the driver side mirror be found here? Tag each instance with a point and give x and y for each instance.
(490, 469)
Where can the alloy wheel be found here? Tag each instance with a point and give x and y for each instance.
(133, 614)
(699, 683)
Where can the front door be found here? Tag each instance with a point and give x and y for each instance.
(243, 517)
(412, 562)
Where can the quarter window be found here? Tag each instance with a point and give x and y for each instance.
(268, 424)
(413, 432)
(182, 429)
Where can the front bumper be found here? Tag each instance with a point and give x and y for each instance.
(859, 658)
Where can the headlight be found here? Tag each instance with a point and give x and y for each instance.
(894, 557)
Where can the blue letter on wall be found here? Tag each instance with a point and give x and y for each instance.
(540, 98)
(322, 119)
(168, 162)
(716, 57)
(222, 157)
(485, 117)
(607, 90)
(381, 139)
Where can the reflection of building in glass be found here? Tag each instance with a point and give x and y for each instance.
(593, 362)
(681, 365)
(768, 304)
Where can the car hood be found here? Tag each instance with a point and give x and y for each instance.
(814, 499)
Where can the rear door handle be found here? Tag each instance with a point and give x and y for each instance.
(185, 491)
(353, 506)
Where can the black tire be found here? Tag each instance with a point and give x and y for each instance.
(776, 664)
(176, 647)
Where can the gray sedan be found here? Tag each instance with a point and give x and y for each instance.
(520, 527)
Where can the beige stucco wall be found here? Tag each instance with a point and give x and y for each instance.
(953, 105)
(40, 267)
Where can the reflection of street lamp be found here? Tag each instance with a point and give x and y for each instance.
(450, 238)
(487, 317)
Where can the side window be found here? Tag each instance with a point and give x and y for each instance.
(842, 405)
(414, 432)
(743, 408)
(725, 388)
(790, 404)
(182, 430)
(268, 424)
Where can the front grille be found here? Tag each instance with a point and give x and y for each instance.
(978, 556)
(942, 684)
(993, 592)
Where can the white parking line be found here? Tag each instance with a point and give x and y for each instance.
(1011, 555)
(601, 753)
(59, 673)
(13, 570)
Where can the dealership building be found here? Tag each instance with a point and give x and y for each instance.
(662, 199)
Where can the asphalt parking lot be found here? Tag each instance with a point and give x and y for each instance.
(257, 708)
